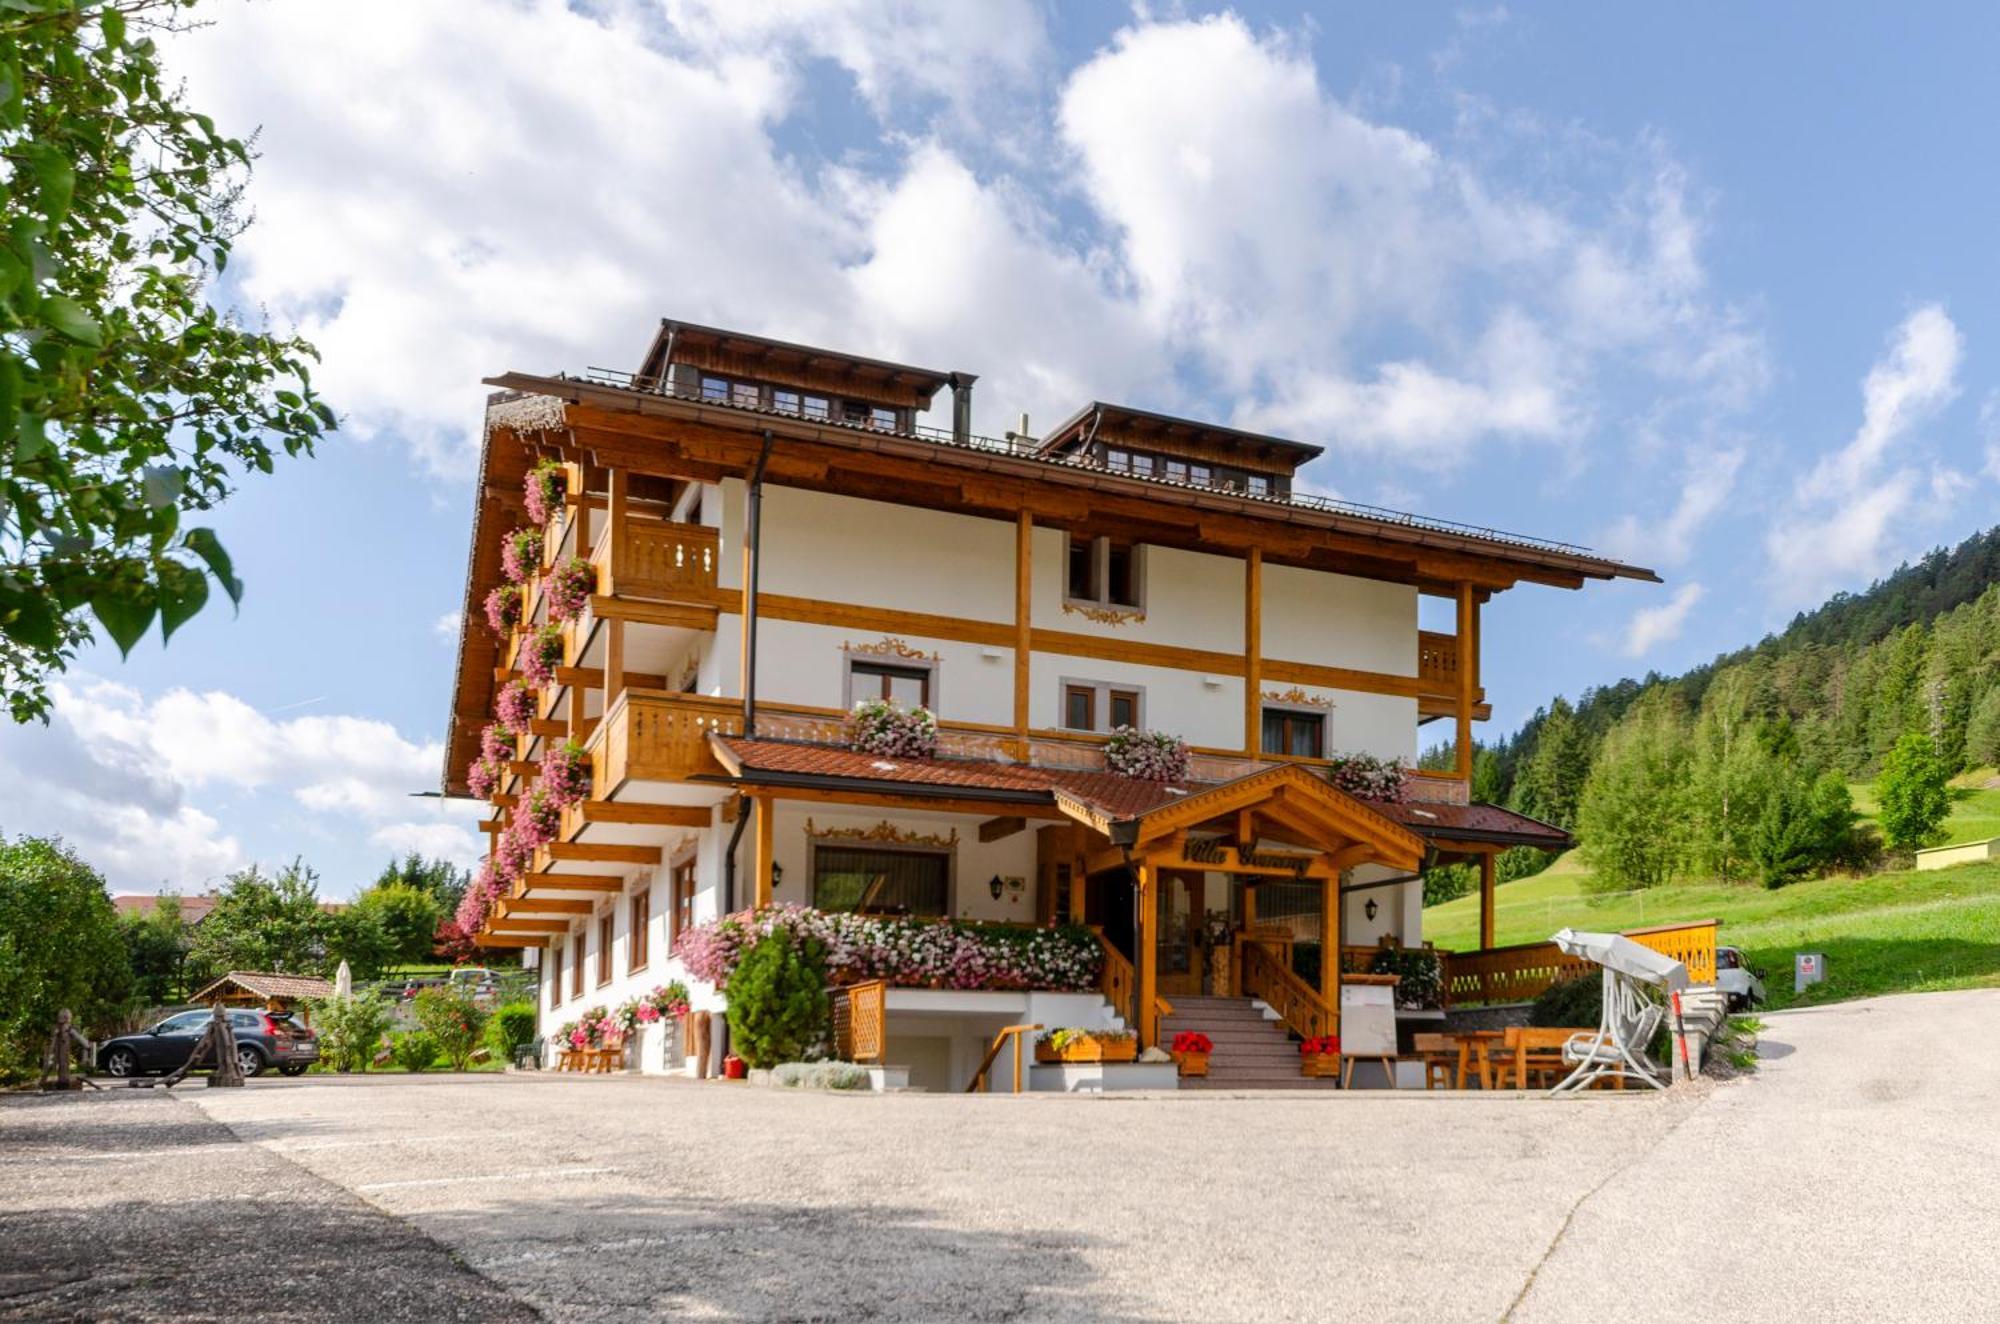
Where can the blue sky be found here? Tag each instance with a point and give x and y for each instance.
(1708, 287)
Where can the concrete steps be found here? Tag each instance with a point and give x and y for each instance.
(1252, 1051)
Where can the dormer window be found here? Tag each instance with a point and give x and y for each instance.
(1104, 572)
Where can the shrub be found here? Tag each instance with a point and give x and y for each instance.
(414, 1051)
(777, 1000)
(59, 947)
(821, 1075)
(511, 1029)
(350, 1029)
(1577, 1002)
(881, 727)
(1152, 756)
(1915, 793)
(1367, 776)
(1420, 976)
(453, 1020)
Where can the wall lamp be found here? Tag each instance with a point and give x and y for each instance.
(1370, 909)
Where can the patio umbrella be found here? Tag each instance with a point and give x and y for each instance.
(343, 982)
(1616, 952)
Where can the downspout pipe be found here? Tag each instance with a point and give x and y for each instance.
(753, 536)
(718, 1041)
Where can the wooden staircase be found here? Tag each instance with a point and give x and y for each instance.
(1252, 1052)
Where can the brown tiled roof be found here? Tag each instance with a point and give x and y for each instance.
(269, 986)
(1475, 822)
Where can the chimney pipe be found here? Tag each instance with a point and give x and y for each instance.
(961, 406)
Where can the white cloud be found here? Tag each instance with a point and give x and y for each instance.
(1652, 626)
(1859, 508)
(448, 840)
(1709, 478)
(142, 787)
(446, 626)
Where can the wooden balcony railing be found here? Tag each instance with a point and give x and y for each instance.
(1437, 661)
(1522, 973)
(1116, 979)
(1297, 1003)
(1019, 1034)
(860, 1021)
(656, 736)
(657, 559)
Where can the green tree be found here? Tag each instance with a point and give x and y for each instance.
(1915, 793)
(127, 400)
(777, 1000)
(1550, 785)
(357, 936)
(1982, 732)
(454, 1020)
(407, 917)
(440, 878)
(156, 947)
(59, 947)
(1633, 818)
(260, 923)
(1730, 776)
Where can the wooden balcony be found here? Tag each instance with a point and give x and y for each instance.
(1437, 677)
(657, 560)
(651, 735)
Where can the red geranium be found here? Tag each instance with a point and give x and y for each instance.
(1193, 1041)
(1320, 1044)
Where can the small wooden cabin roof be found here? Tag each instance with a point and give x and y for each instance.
(268, 987)
(787, 359)
(1134, 425)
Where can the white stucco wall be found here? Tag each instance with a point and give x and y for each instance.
(1339, 621)
(843, 549)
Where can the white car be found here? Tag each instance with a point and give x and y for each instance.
(1733, 977)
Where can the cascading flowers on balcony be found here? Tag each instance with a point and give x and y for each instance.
(565, 774)
(512, 854)
(1367, 776)
(542, 493)
(496, 743)
(515, 707)
(882, 727)
(478, 899)
(909, 953)
(503, 609)
(1153, 756)
(521, 554)
(482, 777)
(541, 654)
(570, 587)
(539, 816)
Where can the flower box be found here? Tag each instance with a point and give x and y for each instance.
(1087, 1047)
(1190, 1063)
(1320, 1057)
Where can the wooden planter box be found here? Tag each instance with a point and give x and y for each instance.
(1326, 1065)
(1090, 1050)
(1192, 1064)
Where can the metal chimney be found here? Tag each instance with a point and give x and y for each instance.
(961, 406)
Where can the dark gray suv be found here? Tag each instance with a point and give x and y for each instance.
(263, 1039)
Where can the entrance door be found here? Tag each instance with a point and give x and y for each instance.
(1180, 920)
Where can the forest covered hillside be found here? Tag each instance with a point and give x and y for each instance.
(1737, 769)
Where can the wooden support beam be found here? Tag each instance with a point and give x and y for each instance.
(1024, 630)
(602, 852)
(614, 660)
(679, 615)
(764, 857)
(530, 925)
(1329, 941)
(592, 678)
(1145, 878)
(1348, 856)
(620, 811)
(1486, 901)
(999, 829)
(891, 800)
(1467, 672)
(570, 882)
(518, 906)
(1253, 651)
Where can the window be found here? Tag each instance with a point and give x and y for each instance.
(1201, 475)
(882, 420)
(1176, 471)
(715, 389)
(899, 682)
(783, 401)
(882, 882)
(682, 915)
(1259, 485)
(745, 395)
(1095, 705)
(1289, 732)
(853, 411)
(1105, 572)
(576, 965)
(605, 928)
(1117, 461)
(1080, 707)
(1142, 465)
(817, 406)
(641, 918)
(555, 974)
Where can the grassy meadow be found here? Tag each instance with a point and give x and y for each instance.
(1889, 933)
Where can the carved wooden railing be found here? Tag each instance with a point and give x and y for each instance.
(1019, 1034)
(656, 558)
(1116, 979)
(1437, 661)
(860, 1021)
(1297, 1003)
(658, 736)
(1522, 973)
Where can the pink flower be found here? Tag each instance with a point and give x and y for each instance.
(565, 774)
(515, 707)
(481, 778)
(542, 493)
(521, 554)
(541, 654)
(570, 587)
(503, 609)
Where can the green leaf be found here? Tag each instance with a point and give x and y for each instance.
(113, 21)
(66, 315)
(204, 543)
(183, 592)
(58, 180)
(125, 614)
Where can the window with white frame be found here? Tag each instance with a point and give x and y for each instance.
(1104, 572)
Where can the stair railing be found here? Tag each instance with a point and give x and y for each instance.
(1018, 1033)
(1297, 1003)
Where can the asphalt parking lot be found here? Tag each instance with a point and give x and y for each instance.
(1850, 1179)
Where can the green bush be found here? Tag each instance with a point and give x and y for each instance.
(1915, 793)
(777, 1000)
(511, 1030)
(454, 1020)
(350, 1029)
(821, 1075)
(59, 947)
(1577, 1002)
(414, 1051)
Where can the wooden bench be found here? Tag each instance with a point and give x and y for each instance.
(608, 1056)
(1533, 1051)
(1439, 1053)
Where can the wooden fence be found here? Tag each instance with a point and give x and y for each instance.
(1524, 972)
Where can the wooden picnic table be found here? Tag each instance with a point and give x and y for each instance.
(1475, 1047)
